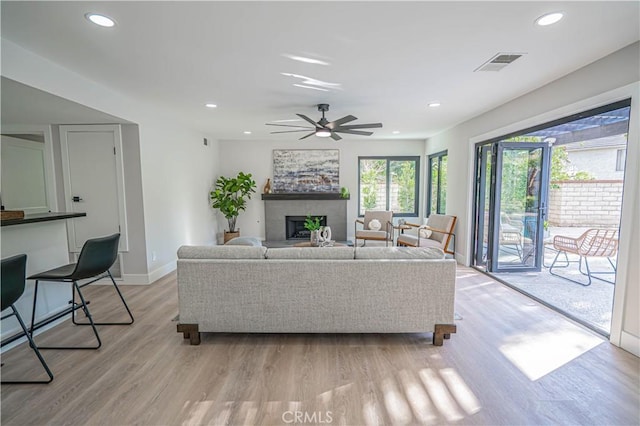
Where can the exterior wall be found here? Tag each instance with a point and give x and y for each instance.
(591, 203)
(601, 163)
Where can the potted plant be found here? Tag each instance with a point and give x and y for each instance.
(230, 197)
(313, 226)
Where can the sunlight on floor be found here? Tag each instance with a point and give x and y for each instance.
(442, 398)
(421, 404)
(538, 354)
(461, 392)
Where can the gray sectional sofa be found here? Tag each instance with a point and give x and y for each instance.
(315, 290)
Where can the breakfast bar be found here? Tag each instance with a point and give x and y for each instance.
(43, 238)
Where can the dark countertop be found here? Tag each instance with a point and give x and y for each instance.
(41, 217)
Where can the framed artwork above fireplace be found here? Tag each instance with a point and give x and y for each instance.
(306, 170)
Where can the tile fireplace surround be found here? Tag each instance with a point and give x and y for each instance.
(278, 206)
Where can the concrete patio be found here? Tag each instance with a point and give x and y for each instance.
(592, 304)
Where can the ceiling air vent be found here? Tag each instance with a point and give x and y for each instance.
(499, 61)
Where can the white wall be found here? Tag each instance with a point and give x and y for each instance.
(256, 157)
(600, 163)
(176, 168)
(612, 78)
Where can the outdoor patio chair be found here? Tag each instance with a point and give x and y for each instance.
(592, 243)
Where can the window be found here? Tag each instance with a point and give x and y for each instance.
(437, 192)
(620, 159)
(388, 183)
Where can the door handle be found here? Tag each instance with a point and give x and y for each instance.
(76, 199)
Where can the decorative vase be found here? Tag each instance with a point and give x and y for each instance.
(267, 187)
(326, 234)
(315, 238)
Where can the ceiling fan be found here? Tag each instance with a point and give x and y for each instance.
(325, 128)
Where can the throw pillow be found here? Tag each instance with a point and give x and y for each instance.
(244, 241)
(375, 225)
(425, 233)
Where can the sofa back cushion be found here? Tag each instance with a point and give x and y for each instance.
(399, 253)
(221, 252)
(327, 253)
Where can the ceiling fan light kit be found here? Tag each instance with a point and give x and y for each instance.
(324, 128)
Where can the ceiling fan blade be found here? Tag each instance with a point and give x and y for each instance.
(338, 122)
(362, 126)
(354, 132)
(290, 131)
(305, 118)
(310, 134)
(285, 125)
(335, 136)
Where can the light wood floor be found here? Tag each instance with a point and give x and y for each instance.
(511, 362)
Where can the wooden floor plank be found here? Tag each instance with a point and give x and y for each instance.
(512, 361)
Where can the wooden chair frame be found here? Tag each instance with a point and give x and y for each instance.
(449, 233)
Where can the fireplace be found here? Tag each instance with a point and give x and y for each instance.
(295, 227)
(279, 207)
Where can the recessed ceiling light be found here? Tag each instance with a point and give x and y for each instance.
(211, 105)
(434, 104)
(102, 20)
(395, 132)
(549, 18)
(247, 132)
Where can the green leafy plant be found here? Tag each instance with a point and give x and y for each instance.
(312, 224)
(230, 196)
(344, 192)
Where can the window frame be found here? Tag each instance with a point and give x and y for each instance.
(389, 159)
(430, 158)
(621, 159)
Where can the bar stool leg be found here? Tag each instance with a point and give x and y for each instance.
(86, 311)
(33, 311)
(35, 349)
(123, 302)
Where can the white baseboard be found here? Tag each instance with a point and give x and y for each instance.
(162, 271)
(630, 343)
(141, 279)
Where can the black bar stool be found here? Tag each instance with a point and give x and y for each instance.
(13, 281)
(96, 257)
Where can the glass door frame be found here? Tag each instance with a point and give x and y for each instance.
(496, 205)
(493, 150)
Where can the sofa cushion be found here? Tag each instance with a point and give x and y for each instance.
(221, 252)
(327, 253)
(244, 241)
(399, 253)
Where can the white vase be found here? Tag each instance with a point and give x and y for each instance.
(326, 234)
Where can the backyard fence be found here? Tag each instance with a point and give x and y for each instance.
(587, 203)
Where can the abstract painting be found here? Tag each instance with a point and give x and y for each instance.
(306, 170)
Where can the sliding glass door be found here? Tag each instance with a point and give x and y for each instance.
(513, 178)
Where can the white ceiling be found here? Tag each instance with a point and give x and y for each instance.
(391, 58)
(23, 104)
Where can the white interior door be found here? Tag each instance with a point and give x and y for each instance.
(93, 182)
